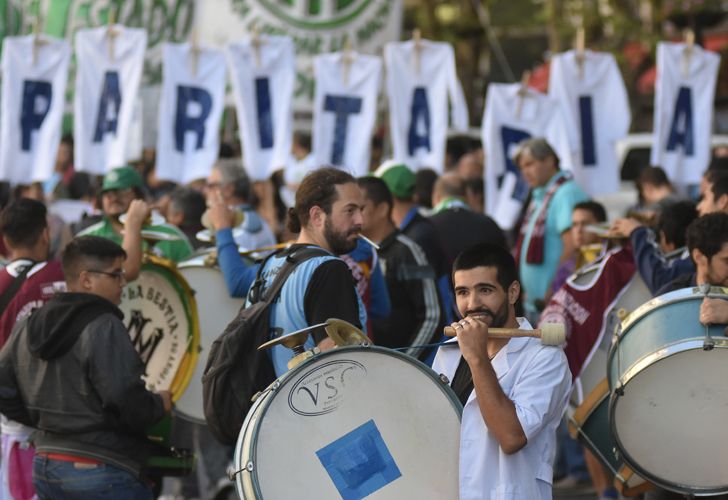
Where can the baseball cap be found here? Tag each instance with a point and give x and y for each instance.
(398, 177)
(122, 178)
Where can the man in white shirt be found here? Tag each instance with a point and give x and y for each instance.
(514, 391)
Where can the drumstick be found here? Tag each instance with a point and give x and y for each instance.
(549, 333)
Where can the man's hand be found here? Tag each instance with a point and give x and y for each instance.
(220, 215)
(714, 311)
(138, 213)
(624, 227)
(166, 400)
(472, 333)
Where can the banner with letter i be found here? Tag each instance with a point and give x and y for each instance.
(514, 113)
(192, 100)
(345, 107)
(684, 95)
(109, 70)
(420, 77)
(35, 70)
(263, 70)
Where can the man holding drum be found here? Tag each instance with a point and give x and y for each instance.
(514, 391)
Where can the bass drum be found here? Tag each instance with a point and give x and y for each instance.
(668, 405)
(349, 423)
(215, 308)
(633, 295)
(161, 317)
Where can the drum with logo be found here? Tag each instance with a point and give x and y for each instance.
(161, 316)
(348, 423)
(215, 308)
(590, 425)
(667, 410)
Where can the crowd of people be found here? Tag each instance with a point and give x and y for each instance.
(75, 409)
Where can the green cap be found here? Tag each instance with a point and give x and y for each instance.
(122, 178)
(398, 177)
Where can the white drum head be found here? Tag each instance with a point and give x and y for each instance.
(671, 420)
(354, 423)
(215, 309)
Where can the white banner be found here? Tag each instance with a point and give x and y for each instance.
(33, 97)
(107, 82)
(316, 28)
(510, 118)
(420, 77)
(263, 74)
(684, 101)
(594, 100)
(192, 101)
(345, 109)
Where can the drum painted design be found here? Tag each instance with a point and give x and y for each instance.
(590, 425)
(160, 315)
(215, 309)
(353, 422)
(669, 398)
(634, 295)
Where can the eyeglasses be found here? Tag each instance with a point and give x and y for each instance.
(117, 275)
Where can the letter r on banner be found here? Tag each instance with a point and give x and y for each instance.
(510, 137)
(342, 107)
(109, 106)
(420, 114)
(37, 96)
(185, 121)
(681, 127)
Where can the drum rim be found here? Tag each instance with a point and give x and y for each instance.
(163, 266)
(614, 396)
(263, 402)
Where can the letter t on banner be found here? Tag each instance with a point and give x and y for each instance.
(33, 89)
(193, 94)
(345, 108)
(107, 83)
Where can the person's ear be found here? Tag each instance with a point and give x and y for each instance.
(701, 261)
(723, 203)
(316, 216)
(514, 291)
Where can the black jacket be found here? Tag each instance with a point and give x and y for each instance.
(71, 372)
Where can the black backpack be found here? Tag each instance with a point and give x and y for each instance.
(236, 370)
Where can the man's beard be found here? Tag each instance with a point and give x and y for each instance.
(498, 319)
(338, 242)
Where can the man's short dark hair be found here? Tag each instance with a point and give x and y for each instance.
(654, 176)
(488, 255)
(318, 188)
(425, 179)
(23, 221)
(190, 202)
(719, 184)
(376, 190)
(674, 221)
(708, 233)
(593, 207)
(87, 252)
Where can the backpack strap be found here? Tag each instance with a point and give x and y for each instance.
(12, 290)
(292, 261)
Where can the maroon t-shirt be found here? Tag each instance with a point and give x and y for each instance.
(43, 281)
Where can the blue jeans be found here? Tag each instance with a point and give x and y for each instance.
(58, 479)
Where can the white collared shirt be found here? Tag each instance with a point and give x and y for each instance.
(537, 379)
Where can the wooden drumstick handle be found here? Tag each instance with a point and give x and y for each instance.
(549, 333)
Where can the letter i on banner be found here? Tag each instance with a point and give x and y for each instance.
(345, 105)
(263, 71)
(35, 71)
(190, 109)
(108, 74)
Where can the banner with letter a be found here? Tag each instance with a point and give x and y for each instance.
(420, 77)
(263, 73)
(684, 96)
(35, 71)
(190, 109)
(109, 68)
(513, 114)
(345, 108)
(593, 97)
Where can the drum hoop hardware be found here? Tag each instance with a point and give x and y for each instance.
(708, 343)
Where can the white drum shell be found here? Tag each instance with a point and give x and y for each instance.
(415, 412)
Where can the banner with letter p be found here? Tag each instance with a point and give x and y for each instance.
(35, 71)
(193, 94)
(110, 62)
